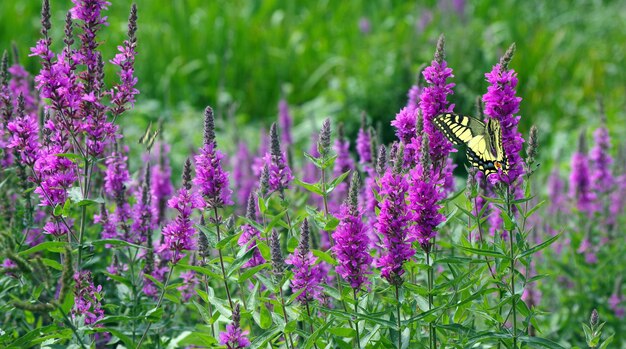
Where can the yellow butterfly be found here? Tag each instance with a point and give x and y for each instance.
(483, 141)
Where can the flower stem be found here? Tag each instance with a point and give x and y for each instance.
(398, 317)
(356, 322)
(83, 216)
(512, 257)
(282, 301)
(308, 312)
(206, 286)
(167, 281)
(71, 326)
(219, 238)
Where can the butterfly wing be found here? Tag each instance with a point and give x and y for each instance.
(484, 142)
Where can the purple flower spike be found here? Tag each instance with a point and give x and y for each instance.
(280, 173)
(433, 101)
(405, 125)
(87, 298)
(423, 197)
(352, 242)
(249, 236)
(234, 337)
(179, 233)
(24, 135)
(306, 275)
(580, 185)
(211, 179)
(501, 104)
(600, 160)
(364, 143)
(285, 121)
(124, 93)
(393, 224)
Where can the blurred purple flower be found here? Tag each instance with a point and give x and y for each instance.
(602, 180)
(250, 234)
(188, 288)
(580, 186)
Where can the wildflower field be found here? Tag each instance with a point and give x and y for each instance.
(312, 174)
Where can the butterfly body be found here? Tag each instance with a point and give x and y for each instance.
(483, 140)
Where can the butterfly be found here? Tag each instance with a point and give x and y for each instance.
(483, 140)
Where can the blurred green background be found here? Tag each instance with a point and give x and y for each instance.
(242, 56)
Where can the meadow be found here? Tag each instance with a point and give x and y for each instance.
(235, 174)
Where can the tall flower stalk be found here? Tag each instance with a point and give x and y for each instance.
(501, 103)
(212, 182)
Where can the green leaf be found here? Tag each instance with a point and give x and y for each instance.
(265, 321)
(335, 182)
(204, 312)
(606, 342)
(50, 246)
(251, 272)
(539, 247)
(482, 252)
(324, 256)
(202, 270)
(313, 337)
(312, 187)
(546, 343)
(261, 341)
(225, 241)
(73, 157)
(113, 243)
(154, 314)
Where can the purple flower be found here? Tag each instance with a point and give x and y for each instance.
(413, 97)
(365, 26)
(243, 178)
(424, 196)
(188, 288)
(310, 172)
(501, 104)
(124, 93)
(343, 164)
(364, 146)
(614, 304)
(178, 235)
(54, 176)
(433, 101)
(211, 179)
(600, 162)
(306, 275)
(285, 121)
(161, 180)
(234, 337)
(280, 173)
(24, 136)
(352, 242)
(556, 188)
(425, 19)
(405, 125)
(116, 176)
(149, 288)
(87, 298)
(393, 225)
(20, 85)
(618, 199)
(580, 186)
(249, 236)
(143, 222)
(56, 227)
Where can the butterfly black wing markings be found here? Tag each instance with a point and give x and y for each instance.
(483, 141)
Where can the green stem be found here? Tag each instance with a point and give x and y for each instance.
(398, 317)
(512, 257)
(282, 301)
(356, 322)
(83, 216)
(206, 286)
(308, 312)
(431, 327)
(219, 238)
(167, 281)
(71, 326)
